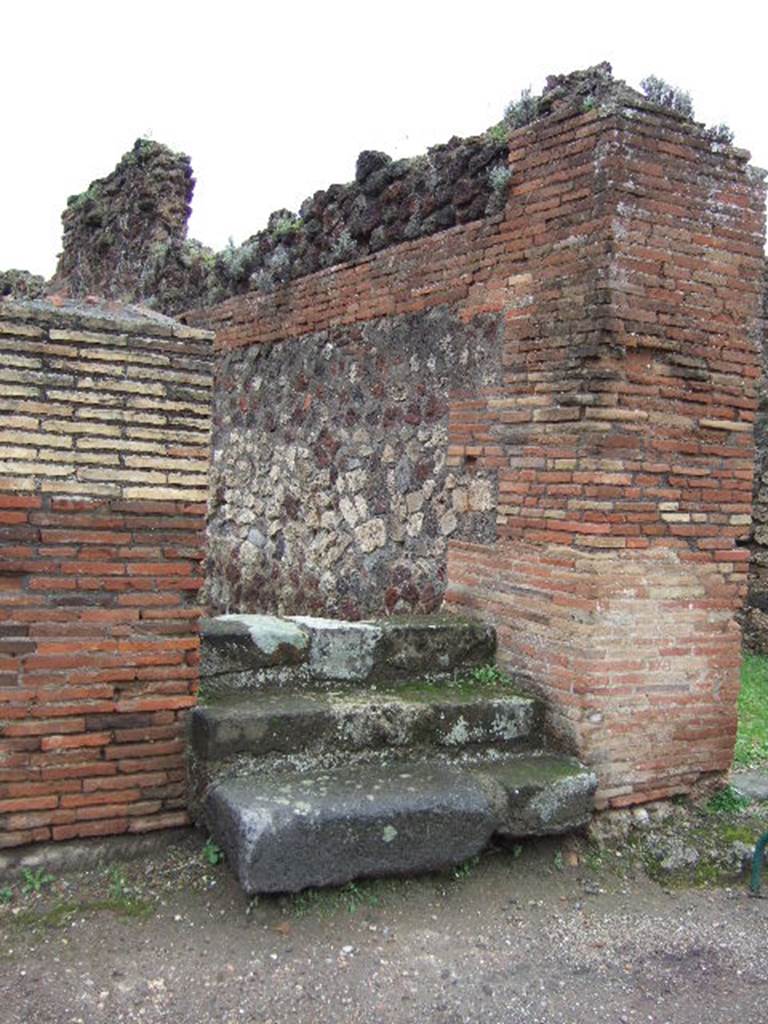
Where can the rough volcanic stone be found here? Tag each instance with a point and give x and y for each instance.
(269, 723)
(20, 284)
(125, 237)
(340, 650)
(328, 492)
(423, 646)
(286, 834)
(543, 795)
(368, 162)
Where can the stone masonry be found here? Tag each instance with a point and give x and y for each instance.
(330, 482)
(103, 458)
(613, 429)
(125, 237)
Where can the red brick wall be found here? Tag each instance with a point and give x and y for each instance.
(103, 455)
(625, 476)
(755, 620)
(627, 269)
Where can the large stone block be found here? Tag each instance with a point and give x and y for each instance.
(286, 834)
(543, 795)
(289, 831)
(246, 653)
(344, 651)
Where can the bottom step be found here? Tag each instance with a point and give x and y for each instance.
(289, 832)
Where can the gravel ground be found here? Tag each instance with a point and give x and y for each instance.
(547, 934)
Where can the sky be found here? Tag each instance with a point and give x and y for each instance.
(273, 101)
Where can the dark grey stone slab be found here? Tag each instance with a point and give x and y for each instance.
(286, 834)
(431, 646)
(259, 724)
(264, 724)
(542, 795)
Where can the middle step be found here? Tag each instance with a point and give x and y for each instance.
(264, 724)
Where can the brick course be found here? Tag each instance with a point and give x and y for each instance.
(103, 457)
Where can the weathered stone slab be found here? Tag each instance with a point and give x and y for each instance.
(256, 641)
(421, 646)
(340, 650)
(542, 795)
(286, 834)
(268, 723)
(252, 652)
(260, 724)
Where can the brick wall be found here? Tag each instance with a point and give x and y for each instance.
(630, 395)
(755, 619)
(625, 276)
(104, 429)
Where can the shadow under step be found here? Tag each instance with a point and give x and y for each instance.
(296, 830)
(267, 723)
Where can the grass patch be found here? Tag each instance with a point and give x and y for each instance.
(752, 736)
(350, 898)
(482, 681)
(64, 912)
(727, 801)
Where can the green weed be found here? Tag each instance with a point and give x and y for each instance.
(522, 110)
(593, 859)
(486, 675)
(64, 912)
(465, 869)
(286, 226)
(658, 91)
(35, 880)
(498, 132)
(326, 902)
(727, 801)
(212, 853)
(117, 884)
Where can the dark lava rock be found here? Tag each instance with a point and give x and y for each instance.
(325, 828)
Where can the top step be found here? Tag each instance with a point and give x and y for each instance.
(242, 653)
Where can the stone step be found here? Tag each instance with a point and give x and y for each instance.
(442, 716)
(288, 832)
(247, 653)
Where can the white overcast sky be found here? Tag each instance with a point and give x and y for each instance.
(274, 100)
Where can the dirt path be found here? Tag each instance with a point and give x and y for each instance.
(533, 938)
